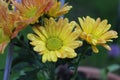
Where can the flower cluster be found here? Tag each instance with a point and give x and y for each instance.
(24, 12)
(56, 37)
(52, 40)
(9, 25)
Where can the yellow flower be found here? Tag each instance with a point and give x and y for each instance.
(57, 10)
(9, 26)
(31, 10)
(55, 39)
(95, 32)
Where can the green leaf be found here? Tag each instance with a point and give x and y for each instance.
(31, 75)
(113, 67)
(42, 76)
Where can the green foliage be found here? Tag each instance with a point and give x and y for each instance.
(32, 75)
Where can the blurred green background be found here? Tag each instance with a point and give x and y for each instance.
(105, 9)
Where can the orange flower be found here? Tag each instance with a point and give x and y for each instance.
(31, 10)
(9, 25)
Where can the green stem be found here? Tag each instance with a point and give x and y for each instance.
(51, 69)
(78, 62)
(76, 67)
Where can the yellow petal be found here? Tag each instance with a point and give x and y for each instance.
(43, 31)
(53, 56)
(50, 26)
(59, 55)
(74, 44)
(94, 48)
(106, 46)
(67, 30)
(73, 36)
(37, 42)
(32, 37)
(44, 58)
(60, 25)
(108, 35)
(38, 32)
(39, 48)
(70, 53)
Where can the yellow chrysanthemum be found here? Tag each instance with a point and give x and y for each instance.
(55, 39)
(31, 10)
(57, 10)
(8, 25)
(95, 32)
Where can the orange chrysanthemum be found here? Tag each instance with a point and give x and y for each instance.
(9, 26)
(95, 32)
(31, 10)
(57, 10)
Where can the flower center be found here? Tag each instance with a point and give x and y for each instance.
(54, 43)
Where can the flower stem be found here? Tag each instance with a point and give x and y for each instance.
(80, 56)
(76, 67)
(52, 71)
(8, 62)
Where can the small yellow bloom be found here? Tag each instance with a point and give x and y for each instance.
(55, 39)
(9, 26)
(95, 32)
(57, 10)
(31, 10)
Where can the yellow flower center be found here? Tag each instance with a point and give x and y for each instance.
(54, 43)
